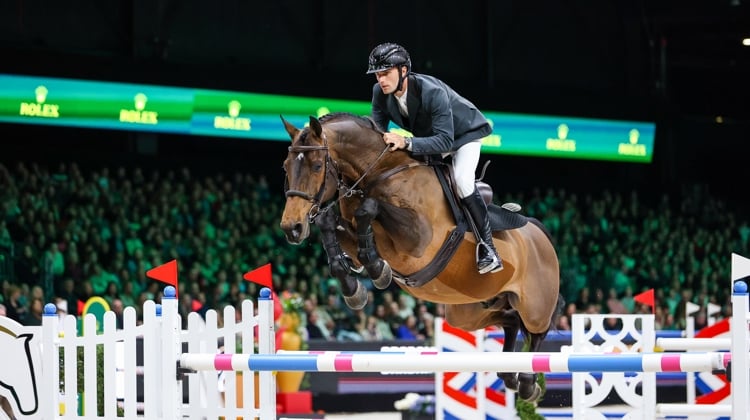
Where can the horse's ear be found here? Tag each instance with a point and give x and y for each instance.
(292, 130)
(315, 126)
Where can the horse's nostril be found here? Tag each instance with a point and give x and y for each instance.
(297, 231)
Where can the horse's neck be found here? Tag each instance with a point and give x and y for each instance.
(365, 158)
(372, 166)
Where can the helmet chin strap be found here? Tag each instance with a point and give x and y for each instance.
(400, 79)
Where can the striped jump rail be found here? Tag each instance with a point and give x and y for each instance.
(457, 362)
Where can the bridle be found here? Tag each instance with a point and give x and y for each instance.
(331, 168)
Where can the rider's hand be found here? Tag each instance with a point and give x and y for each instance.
(396, 141)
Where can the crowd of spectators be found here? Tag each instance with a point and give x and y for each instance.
(67, 234)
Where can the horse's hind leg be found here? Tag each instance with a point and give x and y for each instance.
(378, 269)
(523, 383)
(511, 326)
(528, 388)
(355, 295)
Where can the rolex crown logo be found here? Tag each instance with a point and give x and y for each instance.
(140, 101)
(633, 136)
(323, 111)
(41, 94)
(234, 108)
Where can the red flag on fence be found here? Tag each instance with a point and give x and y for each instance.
(646, 298)
(261, 275)
(165, 273)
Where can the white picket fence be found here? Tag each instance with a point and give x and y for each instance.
(208, 396)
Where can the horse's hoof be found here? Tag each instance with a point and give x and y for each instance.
(384, 279)
(528, 388)
(533, 396)
(359, 299)
(510, 380)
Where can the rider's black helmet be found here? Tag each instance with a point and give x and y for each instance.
(388, 55)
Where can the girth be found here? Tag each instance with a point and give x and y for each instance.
(450, 246)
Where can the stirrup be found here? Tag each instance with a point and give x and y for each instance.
(495, 266)
(499, 267)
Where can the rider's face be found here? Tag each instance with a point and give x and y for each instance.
(388, 80)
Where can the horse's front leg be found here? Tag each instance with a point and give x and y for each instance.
(355, 294)
(379, 270)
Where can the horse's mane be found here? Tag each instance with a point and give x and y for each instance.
(363, 121)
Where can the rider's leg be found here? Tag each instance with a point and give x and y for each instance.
(488, 261)
(465, 161)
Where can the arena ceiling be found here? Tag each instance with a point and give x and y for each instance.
(620, 59)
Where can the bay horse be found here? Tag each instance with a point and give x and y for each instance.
(394, 221)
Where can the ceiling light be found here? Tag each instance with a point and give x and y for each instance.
(746, 42)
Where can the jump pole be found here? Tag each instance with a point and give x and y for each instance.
(457, 362)
(693, 344)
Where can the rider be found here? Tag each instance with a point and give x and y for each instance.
(442, 122)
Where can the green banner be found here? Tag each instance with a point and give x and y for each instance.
(567, 137)
(33, 100)
(255, 115)
(123, 106)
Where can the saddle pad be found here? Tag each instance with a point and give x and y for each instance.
(502, 219)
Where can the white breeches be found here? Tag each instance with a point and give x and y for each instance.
(465, 161)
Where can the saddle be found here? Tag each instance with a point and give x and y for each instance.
(505, 217)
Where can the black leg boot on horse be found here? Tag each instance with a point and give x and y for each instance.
(340, 264)
(488, 261)
(379, 270)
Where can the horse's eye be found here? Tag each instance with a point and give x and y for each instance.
(317, 166)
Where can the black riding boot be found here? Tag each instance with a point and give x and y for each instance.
(488, 261)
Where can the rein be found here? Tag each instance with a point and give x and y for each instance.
(345, 192)
(393, 171)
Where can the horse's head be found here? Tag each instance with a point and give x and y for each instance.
(310, 179)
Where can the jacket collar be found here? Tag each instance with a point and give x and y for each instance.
(413, 102)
